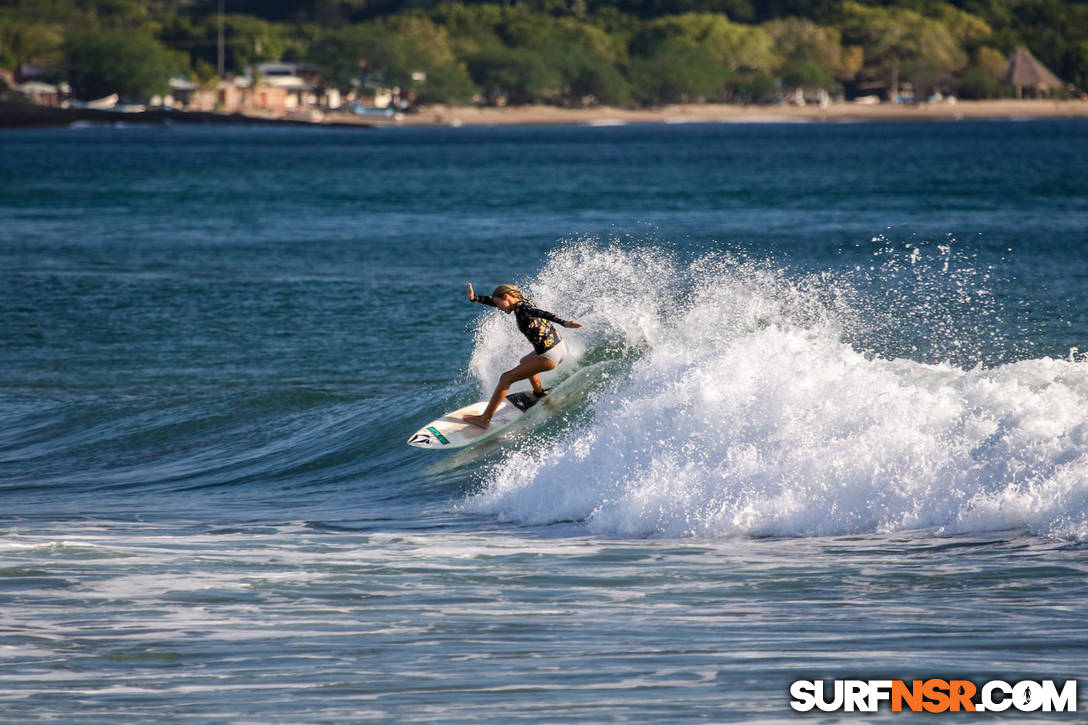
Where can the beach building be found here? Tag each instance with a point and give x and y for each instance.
(375, 96)
(807, 96)
(275, 94)
(181, 93)
(236, 95)
(299, 83)
(41, 94)
(1028, 74)
(269, 99)
(229, 96)
(288, 72)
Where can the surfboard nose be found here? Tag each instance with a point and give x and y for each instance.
(428, 437)
(421, 440)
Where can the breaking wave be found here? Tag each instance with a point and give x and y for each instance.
(759, 402)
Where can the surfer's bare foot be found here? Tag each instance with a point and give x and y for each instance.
(478, 420)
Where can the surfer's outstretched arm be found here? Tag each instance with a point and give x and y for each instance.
(482, 299)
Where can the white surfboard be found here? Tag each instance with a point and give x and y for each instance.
(451, 430)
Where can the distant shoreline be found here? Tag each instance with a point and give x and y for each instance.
(726, 113)
(23, 115)
(28, 115)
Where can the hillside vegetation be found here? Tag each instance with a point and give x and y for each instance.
(564, 52)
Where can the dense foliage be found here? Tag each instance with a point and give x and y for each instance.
(570, 52)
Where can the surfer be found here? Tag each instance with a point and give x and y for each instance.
(536, 324)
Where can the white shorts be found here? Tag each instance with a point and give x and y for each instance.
(556, 353)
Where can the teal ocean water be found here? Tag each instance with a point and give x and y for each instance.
(827, 418)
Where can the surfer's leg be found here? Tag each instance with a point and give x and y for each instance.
(534, 380)
(556, 355)
(530, 366)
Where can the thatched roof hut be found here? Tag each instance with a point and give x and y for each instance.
(1025, 71)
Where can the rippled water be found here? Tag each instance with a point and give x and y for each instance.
(826, 418)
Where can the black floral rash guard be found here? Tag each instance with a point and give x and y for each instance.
(534, 323)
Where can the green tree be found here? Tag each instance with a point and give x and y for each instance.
(471, 28)
(129, 64)
(755, 88)
(562, 35)
(248, 40)
(411, 56)
(428, 51)
(902, 43)
(446, 84)
(59, 13)
(722, 59)
(584, 56)
(734, 46)
(430, 39)
(30, 42)
(1077, 64)
(985, 76)
(121, 15)
(1050, 28)
(742, 10)
(350, 55)
(806, 74)
(515, 75)
(812, 55)
(997, 13)
(677, 72)
(589, 78)
(969, 30)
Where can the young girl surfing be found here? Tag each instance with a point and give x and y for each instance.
(536, 324)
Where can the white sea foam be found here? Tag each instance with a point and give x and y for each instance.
(746, 412)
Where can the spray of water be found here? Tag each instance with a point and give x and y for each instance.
(753, 406)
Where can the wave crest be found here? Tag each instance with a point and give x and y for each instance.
(744, 412)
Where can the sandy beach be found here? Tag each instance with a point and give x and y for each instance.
(16, 115)
(725, 113)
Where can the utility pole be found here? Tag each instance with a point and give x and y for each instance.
(220, 67)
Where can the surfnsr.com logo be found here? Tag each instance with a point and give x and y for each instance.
(933, 695)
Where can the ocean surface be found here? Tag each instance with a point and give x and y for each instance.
(827, 418)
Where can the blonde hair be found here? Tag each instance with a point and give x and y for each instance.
(508, 289)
